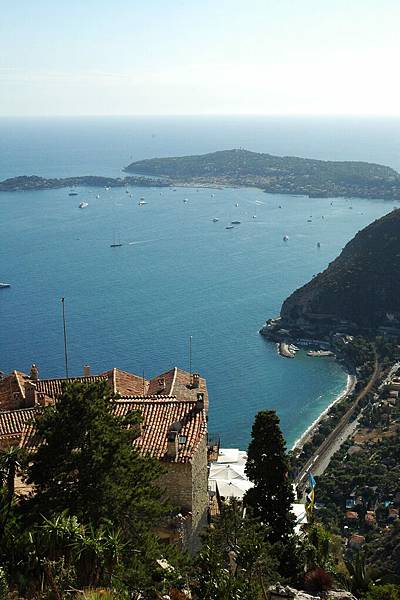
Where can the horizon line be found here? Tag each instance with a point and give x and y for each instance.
(204, 115)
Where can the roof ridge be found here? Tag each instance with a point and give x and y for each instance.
(151, 397)
(17, 410)
(173, 380)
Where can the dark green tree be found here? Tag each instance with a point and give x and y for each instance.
(86, 467)
(85, 462)
(267, 467)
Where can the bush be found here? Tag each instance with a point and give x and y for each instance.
(317, 580)
(383, 592)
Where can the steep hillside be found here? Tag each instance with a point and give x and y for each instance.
(361, 286)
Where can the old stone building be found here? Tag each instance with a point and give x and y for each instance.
(174, 408)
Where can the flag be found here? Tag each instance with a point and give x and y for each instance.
(311, 480)
(310, 501)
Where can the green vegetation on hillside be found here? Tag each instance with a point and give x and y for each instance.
(276, 174)
(359, 289)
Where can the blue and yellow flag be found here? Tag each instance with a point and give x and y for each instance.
(310, 496)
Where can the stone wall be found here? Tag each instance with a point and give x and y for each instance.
(199, 493)
(186, 486)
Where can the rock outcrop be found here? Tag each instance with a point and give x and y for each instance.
(280, 592)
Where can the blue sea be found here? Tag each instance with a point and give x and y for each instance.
(178, 274)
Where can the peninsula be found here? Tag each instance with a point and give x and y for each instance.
(33, 182)
(240, 168)
(359, 292)
(275, 174)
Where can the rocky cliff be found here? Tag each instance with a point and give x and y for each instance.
(361, 286)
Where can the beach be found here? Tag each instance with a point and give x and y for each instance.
(309, 432)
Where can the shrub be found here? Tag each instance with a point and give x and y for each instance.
(317, 580)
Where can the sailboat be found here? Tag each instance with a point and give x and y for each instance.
(116, 242)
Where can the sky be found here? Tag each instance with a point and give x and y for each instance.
(173, 57)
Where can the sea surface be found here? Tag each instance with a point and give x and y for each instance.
(178, 274)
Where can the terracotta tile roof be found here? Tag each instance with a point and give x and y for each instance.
(53, 387)
(126, 384)
(30, 439)
(178, 383)
(12, 421)
(351, 515)
(158, 414)
(12, 389)
(161, 406)
(167, 388)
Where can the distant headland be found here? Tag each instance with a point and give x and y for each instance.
(240, 168)
(275, 174)
(33, 182)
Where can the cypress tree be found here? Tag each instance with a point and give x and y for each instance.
(267, 467)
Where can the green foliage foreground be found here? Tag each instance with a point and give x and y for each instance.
(95, 507)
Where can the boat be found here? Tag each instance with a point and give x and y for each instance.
(229, 227)
(293, 348)
(83, 205)
(254, 216)
(320, 353)
(185, 200)
(5, 285)
(127, 192)
(98, 196)
(116, 245)
(116, 242)
(285, 238)
(215, 220)
(142, 202)
(318, 244)
(235, 222)
(237, 204)
(73, 194)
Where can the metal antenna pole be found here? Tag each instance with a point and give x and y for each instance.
(65, 338)
(190, 355)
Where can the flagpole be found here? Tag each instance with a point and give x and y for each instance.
(65, 338)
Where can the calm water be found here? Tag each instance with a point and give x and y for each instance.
(178, 273)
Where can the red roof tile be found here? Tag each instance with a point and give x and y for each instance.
(12, 421)
(53, 387)
(158, 414)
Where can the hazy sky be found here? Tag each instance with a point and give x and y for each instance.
(120, 57)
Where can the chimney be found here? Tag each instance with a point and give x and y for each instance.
(30, 393)
(34, 374)
(161, 384)
(173, 440)
(86, 370)
(195, 380)
(200, 402)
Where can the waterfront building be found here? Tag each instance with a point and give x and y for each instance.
(173, 406)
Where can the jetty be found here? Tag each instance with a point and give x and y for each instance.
(285, 350)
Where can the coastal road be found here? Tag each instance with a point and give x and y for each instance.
(320, 459)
